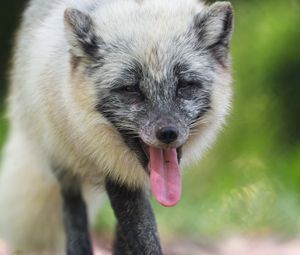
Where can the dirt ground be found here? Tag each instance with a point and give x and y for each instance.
(236, 246)
(230, 246)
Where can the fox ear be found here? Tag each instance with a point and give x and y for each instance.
(80, 32)
(213, 28)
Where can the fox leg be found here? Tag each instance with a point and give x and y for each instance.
(136, 229)
(120, 245)
(75, 217)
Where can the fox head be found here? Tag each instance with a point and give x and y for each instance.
(161, 76)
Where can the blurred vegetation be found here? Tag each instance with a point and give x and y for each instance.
(250, 181)
(10, 12)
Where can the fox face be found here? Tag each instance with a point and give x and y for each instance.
(155, 86)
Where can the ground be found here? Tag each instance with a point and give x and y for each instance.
(230, 246)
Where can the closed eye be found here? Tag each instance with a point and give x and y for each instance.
(186, 88)
(182, 84)
(130, 91)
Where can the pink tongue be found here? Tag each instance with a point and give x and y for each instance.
(165, 176)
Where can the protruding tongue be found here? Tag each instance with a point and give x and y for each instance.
(165, 176)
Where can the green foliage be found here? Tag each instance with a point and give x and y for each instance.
(3, 130)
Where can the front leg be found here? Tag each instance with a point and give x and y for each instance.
(75, 217)
(120, 246)
(137, 231)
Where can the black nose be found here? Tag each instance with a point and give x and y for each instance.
(167, 134)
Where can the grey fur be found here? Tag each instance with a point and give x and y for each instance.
(158, 92)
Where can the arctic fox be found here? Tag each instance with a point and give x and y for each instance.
(113, 94)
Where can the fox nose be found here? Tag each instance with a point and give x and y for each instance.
(167, 134)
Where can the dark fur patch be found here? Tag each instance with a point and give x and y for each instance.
(182, 72)
(220, 47)
(76, 224)
(136, 223)
(74, 62)
(130, 139)
(75, 214)
(112, 105)
(83, 30)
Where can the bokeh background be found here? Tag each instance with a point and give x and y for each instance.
(249, 183)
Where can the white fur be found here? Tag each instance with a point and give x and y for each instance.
(52, 115)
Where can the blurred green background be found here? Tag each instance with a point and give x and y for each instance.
(250, 182)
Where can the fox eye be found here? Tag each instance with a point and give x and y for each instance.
(131, 93)
(188, 84)
(187, 89)
(131, 89)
